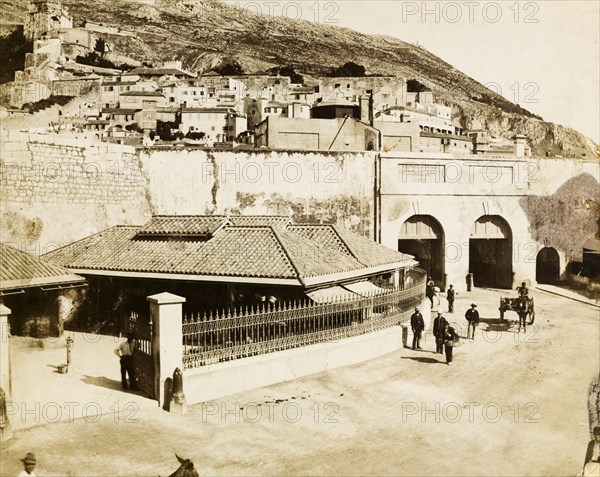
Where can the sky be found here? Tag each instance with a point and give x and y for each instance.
(543, 55)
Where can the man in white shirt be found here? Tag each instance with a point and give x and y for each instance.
(125, 352)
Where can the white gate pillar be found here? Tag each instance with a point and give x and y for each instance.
(5, 377)
(167, 346)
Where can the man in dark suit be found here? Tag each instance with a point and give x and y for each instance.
(418, 325)
(472, 316)
(439, 331)
(450, 297)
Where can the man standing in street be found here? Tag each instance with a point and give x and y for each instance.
(450, 341)
(430, 290)
(125, 352)
(450, 297)
(418, 325)
(472, 316)
(439, 331)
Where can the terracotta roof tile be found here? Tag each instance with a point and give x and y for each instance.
(22, 270)
(183, 225)
(256, 247)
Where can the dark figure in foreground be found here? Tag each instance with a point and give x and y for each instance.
(591, 466)
(450, 341)
(450, 297)
(417, 325)
(29, 463)
(439, 331)
(125, 352)
(186, 469)
(472, 316)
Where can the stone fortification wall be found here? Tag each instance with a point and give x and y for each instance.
(56, 189)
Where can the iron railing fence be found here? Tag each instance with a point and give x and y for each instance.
(238, 334)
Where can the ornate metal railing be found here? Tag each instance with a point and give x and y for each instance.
(239, 334)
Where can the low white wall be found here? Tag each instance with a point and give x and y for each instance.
(224, 379)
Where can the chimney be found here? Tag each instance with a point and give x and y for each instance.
(519, 145)
(366, 109)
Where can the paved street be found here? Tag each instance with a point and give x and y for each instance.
(510, 404)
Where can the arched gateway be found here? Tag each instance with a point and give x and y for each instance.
(490, 252)
(423, 237)
(547, 266)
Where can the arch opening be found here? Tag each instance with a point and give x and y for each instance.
(547, 266)
(423, 237)
(490, 252)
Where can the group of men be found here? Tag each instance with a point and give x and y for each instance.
(446, 337)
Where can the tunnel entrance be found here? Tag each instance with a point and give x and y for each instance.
(490, 252)
(423, 237)
(547, 266)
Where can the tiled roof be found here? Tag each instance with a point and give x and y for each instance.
(201, 225)
(280, 221)
(256, 247)
(364, 250)
(21, 270)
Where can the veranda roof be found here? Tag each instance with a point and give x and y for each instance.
(242, 249)
(20, 270)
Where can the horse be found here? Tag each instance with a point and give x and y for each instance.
(522, 309)
(186, 469)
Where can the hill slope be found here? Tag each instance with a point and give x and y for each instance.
(202, 33)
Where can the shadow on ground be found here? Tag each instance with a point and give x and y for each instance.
(102, 381)
(495, 324)
(423, 360)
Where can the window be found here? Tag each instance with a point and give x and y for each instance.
(212, 128)
(348, 86)
(337, 85)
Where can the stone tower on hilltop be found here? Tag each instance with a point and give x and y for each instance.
(45, 16)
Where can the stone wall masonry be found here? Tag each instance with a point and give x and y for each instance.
(56, 189)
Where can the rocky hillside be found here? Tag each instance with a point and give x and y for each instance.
(202, 33)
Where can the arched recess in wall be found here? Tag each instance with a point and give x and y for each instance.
(423, 237)
(547, 266)
(490, 252)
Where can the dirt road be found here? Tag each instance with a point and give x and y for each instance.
(510, 404)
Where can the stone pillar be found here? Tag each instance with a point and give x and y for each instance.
(167, 317)
(5, 378)
(64, 308)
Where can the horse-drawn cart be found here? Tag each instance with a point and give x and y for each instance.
(522, 305)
